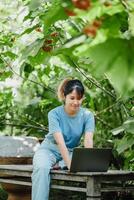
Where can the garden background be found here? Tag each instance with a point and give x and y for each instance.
(42, 42)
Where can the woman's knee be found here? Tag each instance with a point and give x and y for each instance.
(42, 160)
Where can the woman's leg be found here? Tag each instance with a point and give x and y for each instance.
(43, 160)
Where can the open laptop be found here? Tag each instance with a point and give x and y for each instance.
(90, 159)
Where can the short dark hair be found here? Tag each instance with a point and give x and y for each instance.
(74, 85)
(67, 86)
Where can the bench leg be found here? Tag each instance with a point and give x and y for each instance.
(93, 198)
(16, 196)
(17, 192)
(93, 189)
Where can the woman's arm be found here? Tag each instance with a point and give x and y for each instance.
(62, 147)
(88, 140)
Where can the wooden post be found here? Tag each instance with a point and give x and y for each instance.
(93, 186)
(19, 196)
(17, 192)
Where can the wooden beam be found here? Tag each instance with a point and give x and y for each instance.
(16, 182)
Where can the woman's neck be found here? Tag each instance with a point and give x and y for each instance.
(69, 112)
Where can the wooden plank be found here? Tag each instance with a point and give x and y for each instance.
(7, 172)
(105, 189)
(76, 189)
(17, 167)
(93, 198)
(30, 168)
(119, 177)
(68, 178)
(118, 189)
(25, 183)
(16, 182)
(62, 175)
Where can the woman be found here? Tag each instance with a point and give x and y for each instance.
(67, 124)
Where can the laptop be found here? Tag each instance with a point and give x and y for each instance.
(90, 159)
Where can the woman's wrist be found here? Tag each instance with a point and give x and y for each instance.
(69, 164)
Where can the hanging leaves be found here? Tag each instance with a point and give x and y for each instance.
(114, 57)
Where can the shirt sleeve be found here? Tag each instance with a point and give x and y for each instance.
(89, 122)
(53, 122)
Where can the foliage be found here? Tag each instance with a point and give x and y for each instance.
(3, 194)
(43, 42)
(7, 98)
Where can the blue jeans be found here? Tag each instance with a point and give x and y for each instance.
(44, 159)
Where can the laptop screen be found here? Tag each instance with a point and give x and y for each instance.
(90, 159)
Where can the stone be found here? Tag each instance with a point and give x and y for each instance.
(18, 146)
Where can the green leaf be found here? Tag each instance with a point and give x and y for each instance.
(124, 144)
(129, 125)
(118, 130)
(35, 4)
(131, 22)
(113, 57)
(113, 9)
(45, 79)
(119, 66)
(40, 58)
(55, 12)
(5, 75)
(130, 5)
(32, 49)
(98, 9)
(9, 54)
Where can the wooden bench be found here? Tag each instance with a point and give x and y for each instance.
(17, 150)
(16, 168)
(91, 183)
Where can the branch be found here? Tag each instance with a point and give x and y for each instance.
(92, 81)
(109, 107)
(103, 122)
(48, 88)
(124, 3)
(27, 126)
(99, 86)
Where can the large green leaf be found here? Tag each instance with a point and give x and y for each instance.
(118, 74)
(124, 144)
(32, 49)
(55, 12)
(98, 9)
(129, 125)
(114, 57)
(117, 130)
(5, 75)
(35, 4)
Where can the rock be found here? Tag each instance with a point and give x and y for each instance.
(18, 146)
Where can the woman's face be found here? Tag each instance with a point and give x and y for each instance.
(73, 101)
